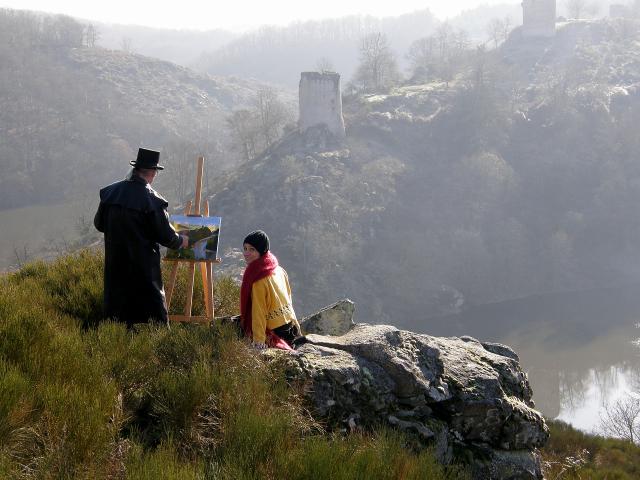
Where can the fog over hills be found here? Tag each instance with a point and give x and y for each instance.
(182, 47)
(491, 174)
(73, 114)
(65, 103)
(515, 177)
(278, 54)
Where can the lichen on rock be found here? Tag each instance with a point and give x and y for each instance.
(452, 394)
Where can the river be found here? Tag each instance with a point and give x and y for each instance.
(579, 349)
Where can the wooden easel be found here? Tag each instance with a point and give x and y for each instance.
(206, 266)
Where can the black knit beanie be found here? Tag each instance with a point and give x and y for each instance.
(258, 240)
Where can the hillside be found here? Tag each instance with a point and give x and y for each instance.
(72, 113)
(515, 177)
(81, 398)
(87, 400)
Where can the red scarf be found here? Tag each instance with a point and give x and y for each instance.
(257, 270)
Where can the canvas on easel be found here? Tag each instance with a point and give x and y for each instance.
(203, 232)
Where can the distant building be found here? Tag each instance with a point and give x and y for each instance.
(320, 102)
(538, 18)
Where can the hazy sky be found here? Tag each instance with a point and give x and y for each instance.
(236, 15)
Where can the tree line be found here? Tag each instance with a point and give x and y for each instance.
(24, 29)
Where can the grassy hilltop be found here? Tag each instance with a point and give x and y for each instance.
(81, 398)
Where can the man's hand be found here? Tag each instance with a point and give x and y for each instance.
(259, 346)
(185, 241)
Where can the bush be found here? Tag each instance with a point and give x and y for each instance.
(85, 398)
(571, 454)
(72, 285)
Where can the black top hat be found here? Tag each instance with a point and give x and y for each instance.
(147, 159)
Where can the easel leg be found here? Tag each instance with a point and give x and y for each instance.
(174, 271)
(190, 275)
(210, 289)
(205, 287)
(172, 283)
(207, 279)
(192, 266)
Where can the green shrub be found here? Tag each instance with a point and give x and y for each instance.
(572, 454)
(14, 400)
(72, 429)
(72, 285)
(85, 398)
(383, 455)
(162, 463)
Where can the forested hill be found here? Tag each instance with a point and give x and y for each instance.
(71, 113)
(279, 54)
(514, 172)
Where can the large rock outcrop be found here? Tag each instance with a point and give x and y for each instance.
(467, 399)
(336, 319)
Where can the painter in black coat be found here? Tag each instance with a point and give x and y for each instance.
(134, 220)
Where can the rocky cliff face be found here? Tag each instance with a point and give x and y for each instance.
(494, 185)
(467, 399)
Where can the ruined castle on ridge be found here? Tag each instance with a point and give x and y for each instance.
(538, 18)
(320, 102)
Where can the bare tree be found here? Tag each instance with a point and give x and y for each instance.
(62, 31)
(244, 131)
(378, 69)
(443, 36)
(258, 128)
(576, 8)
(324, 65)
(506, 28)
(180, 155)
(91, 35)
(421, 54)
(494, 29)
(498, 30)
(126, 45)
(272, 114)
(622, 418)
(480, 67)
(439, 54)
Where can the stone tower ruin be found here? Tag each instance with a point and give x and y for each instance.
(538, 18)
(320, 101)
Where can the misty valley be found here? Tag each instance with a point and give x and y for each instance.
(476, 178)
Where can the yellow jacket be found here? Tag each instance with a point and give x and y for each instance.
(271, 305)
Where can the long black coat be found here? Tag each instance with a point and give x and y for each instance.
(134, 220)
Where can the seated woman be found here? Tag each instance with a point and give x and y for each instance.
(266, 309)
